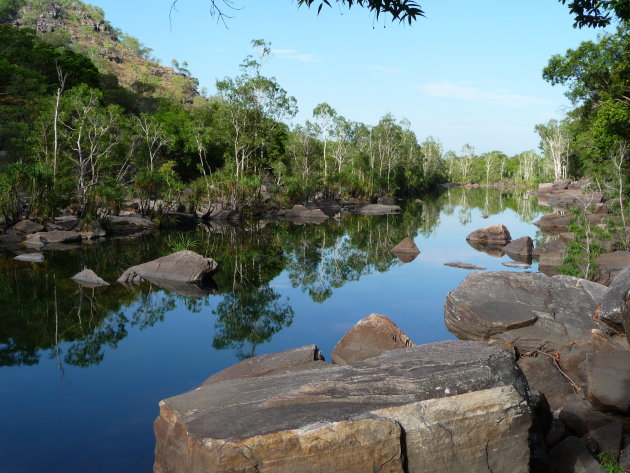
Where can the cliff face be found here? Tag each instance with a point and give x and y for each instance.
(84, 29)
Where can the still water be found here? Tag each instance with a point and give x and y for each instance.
(82, 370)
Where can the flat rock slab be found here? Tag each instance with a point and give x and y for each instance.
(28, 226)
(513, 264)
(459, 264)
(448, 406)
(492, 235)
(370, 337)
(128, 225)
(181, 268)
(47, 238)
(376, 209)
(88, 278)
(525, 309)
(300, 212)
(608, 380)
(30, 257)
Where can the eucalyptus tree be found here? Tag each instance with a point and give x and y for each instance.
(555, 142)
(432, 154)
(465, 162)
(324, 116)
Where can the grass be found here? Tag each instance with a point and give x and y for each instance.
(609, 464)
(182, 241)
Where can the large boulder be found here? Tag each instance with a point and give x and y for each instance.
(529, 310)
(25, 227)
(406, 250)
(543, 376)
(183, 267)
(370, 337)
(612, 302)
(444, 407)
(523, 246)
(376, 209)
(608, 379)
(492, 235)
(129, 224)
(88, 278)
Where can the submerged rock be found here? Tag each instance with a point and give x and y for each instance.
(512, 264)
(525, 309)
(443, 407)
(184, 267)
(88, 278)
(370, 337)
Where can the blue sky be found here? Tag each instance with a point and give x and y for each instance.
(470, 72)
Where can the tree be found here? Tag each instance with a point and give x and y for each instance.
(324, 116)
(555, 142)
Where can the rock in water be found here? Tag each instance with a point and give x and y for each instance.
(45, 238)
(30, 257)
(525, 309)
(511, 264)
(370, 337)
(88, 278)
(492, 235)
(406, 250)
(459, 264)
(523, 246)
(183, 266)
(28, 226)
(377, 209)
(444, 407)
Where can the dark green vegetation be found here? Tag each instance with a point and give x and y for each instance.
(45, 313)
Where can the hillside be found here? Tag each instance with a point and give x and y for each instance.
(84, 29)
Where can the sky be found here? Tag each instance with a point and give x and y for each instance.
(467, 73)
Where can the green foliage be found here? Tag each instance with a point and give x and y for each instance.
(182, 241)
(609, 464)
(585, 247)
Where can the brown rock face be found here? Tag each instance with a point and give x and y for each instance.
(551, 253)
(28, 226)
(370, 337)
(444, 407)
(608, 378)
(523, 246)
(611, 265)
(492, 235)
(406, 250)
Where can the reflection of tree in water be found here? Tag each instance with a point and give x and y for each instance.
(464, 215)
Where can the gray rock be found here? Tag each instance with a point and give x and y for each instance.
(306, 357)
(449, 406)
(573, 357)
(40, 239)
(184, 266)
(611, 265)
(370, 337)
(88, 278)
(376, 209)
(28, 226)
(386, 201)
(607, 439)
(608, 380)
(130, 224)
(406, 250)
(571, 456)
(459, 264)
(613, 300)
(561, 184)
(557, 432)
(30, 257)
(523, 246)
(525, 309)
(302, 213)
(579, 416)
(555, 224)
(543, 376)
(492, 235)
(512, 264)
(624, 457)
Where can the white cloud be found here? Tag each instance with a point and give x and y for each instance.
(470, 92)
(292, 54)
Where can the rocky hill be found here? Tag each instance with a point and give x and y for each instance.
(84, 29)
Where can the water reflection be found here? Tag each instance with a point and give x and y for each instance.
(44, 313)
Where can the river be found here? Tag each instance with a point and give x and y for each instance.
(82, 370)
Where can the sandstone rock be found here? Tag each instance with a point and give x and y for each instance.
(560, 184)
(183, 266)
(449, 406)
(88, 278)
(523, 246)
(128, 225)
(300, 212)
(406, 250)
(608, 379)
(555, 224)
(45, 238)
(263, 365)
(611, 265)
(571, 456)
(28, 226)
(613, 300)
(352, 202)
(370, 337)
(545, 187)
(376, 209)
(579, 416)
(492, 235)
(573, 357)
(459, 264)
(525, 309)
(30, 257)
(543, 376)
(607, 439)
(511, 264)
(551, 253)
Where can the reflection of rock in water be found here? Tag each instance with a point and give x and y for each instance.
(186, 289)
(492, 250)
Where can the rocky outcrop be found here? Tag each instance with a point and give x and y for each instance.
(555, 224)
(130, 224)
(406, 250)
(564, 193)
(376, 209)
(370, 337)
(386, 200)
(25, 227)
(174, 272)
(608, 378)
(612, 302)
(492, 235)
(551, 253)
(529, 310)
(88, 278)
(443, 407)
(611, 264)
